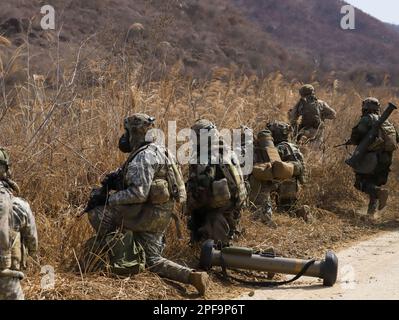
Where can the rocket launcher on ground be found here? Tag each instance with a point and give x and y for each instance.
(246, 259)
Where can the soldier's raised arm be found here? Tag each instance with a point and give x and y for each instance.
(327, 112)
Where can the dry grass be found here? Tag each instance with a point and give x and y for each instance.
(63, 141)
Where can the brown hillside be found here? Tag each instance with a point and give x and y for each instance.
(311, 29)
(294, 37)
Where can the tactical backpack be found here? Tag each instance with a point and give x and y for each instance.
(5, 243)
(387, 136)
(310, 112)
(118, 253)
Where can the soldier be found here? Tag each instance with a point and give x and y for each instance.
(287, 190)
(381, 152)
(216, 187)
(147, 187)
(18, 235)
(313, 113)
(260, 189)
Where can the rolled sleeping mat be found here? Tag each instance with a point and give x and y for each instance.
(244, 258)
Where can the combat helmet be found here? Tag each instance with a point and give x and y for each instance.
(203, 124)
(280, 131)
(136, 128)
(139, 122)
(306, 90)
(371, 104)
(4, 161)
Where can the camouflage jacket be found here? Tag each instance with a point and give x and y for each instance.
(289, 152)
(139, 175)
(23, 226)
(132, 203)
(319, 112)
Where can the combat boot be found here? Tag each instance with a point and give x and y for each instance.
(373, 205)
(382, 198)
(200, 281)
(267, 217)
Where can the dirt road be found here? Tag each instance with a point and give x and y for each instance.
(368, 270)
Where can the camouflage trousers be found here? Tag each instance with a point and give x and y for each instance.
(312, 136)
(10, 289)
(106, 220)
(286, 192)
(371, 183)
(153, 245)
(263, 201)
(219, 224)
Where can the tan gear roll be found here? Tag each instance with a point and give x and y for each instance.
(273, 154)
(283, 170)
(263, 171)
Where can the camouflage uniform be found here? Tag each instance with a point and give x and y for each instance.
(22, 239)
(131, 209)
(261, 190)
(313, 113)
(287, 190)
(372, 183)
(208, 221)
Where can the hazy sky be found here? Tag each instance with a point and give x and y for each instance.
(384, 10)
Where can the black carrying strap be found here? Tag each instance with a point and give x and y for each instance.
(265, 283)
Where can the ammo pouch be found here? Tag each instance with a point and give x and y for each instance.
(220, 194)
(283, 170)
(263, 171)
(159, 192)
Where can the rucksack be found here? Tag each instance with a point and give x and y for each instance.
(389, 135)
(311, 115)
(5, 216)
(118, 253)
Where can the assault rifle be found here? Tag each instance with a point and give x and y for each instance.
(347, 143)
(99, 196)
(362, 148)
